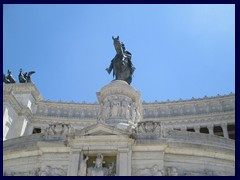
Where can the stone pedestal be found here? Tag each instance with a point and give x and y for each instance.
(120, 104)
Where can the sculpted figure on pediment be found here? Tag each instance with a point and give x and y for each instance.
(115, 107)
(150, 171)
(156, 171)
(172, 171)
(49, 131)
(149, 128)
(110, 169)
(83, 167)
(57, 129)
(66, 129)
(107, 108)
(125, 109)
(98, 170)
(140, 129)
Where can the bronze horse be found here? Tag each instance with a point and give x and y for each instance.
(121, 64)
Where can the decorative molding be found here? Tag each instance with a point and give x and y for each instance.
(205, 172)
(23, 88)
(58, 131)
(171, 171)
(12, 101)
(149, 129)
(34, 172)
(120, 100)
(200, 138)
(67, 110)
(154, 170)
(52, 171)
(186, 108)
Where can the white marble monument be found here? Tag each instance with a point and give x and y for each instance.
(118, 136)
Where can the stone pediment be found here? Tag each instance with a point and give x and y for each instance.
(100, 129)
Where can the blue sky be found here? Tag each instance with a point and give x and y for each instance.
(179, 51)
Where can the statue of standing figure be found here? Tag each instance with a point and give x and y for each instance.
(9, 78)
(26, 77)
(23, 78)
(98, 170)
(121, 64)
(83, 167)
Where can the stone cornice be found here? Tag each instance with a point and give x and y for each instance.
(72, 121)
(200, 139)
(204, 99)
(67, 104)
(21, 111)
(27, 113)
(12, 101)
(119, 87)
(212, 109)
(204, 118)
(23, 88)
(53, 109)
(191, 107)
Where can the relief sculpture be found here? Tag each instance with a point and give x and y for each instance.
(86, 169)
(98, 170)
(52, 171)
(155, 170)
(83, 167)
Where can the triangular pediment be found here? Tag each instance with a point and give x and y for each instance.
(102, 129)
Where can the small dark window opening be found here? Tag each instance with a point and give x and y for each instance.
(177, 129)
(190, 129)
(231, 131)
(204, 130)
(36, 130)
(218, 131)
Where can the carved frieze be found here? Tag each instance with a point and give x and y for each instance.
(205, 172)
(149, 129)
(67, 110)
(191, 107)
(58, 130)
(33, 172)
(120, 107)
(171, 171)
(102, 167)
(52, 171)
(154, 170)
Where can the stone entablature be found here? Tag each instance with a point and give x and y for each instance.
(189, 153)
(70, 110)
(150, 110)
(189, 107)
(216, 104)
(25, 88)
(117, 102)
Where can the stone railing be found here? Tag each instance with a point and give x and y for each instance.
(69, 110)
(189, 107)
(150, 110)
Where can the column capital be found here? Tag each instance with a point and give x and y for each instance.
(224, 124)
(210, 125)
(123, 150)
(76, 150)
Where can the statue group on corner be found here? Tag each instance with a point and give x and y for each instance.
(22, 77)
(121, 64)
